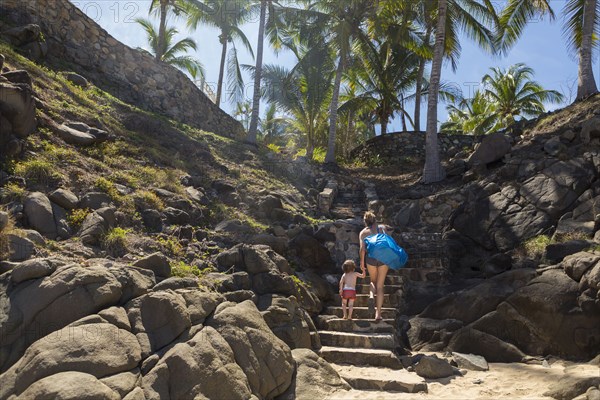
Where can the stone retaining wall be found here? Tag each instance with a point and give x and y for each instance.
(409, 146)
(129, 74)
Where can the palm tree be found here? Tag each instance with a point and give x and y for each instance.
(162, 7)
(383, 75)
(471, 116)
(514, 93)
(473, 17)
(581, 23)
(171, 52)
(227, 16)
(581, 29)
(272, 127)
(251, 138)
(304, 91)
(341, 23)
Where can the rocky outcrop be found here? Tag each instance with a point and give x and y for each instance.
(264, 358)
(315, 378)
(100, 331)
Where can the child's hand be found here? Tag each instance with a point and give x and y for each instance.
(341, 292)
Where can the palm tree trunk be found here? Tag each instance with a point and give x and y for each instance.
(403, 115)
(223, 39)
(251, 138)
(162, 31)
(587, 84)
(384, 125)
(419, 84)
(433, 171)
(333, 112)
(310, 146)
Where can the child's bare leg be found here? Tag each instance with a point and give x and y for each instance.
(350, 306)
(345, 316)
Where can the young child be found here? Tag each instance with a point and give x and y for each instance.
(348, 286)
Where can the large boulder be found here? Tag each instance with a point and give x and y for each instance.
(431, 367)
(286, 319)
(544, 317)
(18, 107)
(493, 148)
(313, 253)
(96, 224)
(315, 378)
(64, 198)
(31, 269)
(78, 133)
(469, 340)
(38, 209)
(265, 359)
(471, 304)
(157, 263)
(98, 349)
(70, 385)
(157, 319)
(70, 293)
(203, 367)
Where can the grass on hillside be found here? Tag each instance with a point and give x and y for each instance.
(148, 150)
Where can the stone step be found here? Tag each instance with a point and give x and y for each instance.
(357, 340)
(362, 300)
(361, 312)
(362, 288)
(367, 357)
(381, 379)
(390, 279)
(329, 323)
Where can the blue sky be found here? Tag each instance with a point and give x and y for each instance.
(542, 47)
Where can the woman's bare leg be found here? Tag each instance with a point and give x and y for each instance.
(381, 274)
(373, 273)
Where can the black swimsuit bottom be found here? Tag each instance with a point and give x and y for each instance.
(374, 262)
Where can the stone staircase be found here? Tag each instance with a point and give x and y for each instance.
(349, 203)
(362, 350)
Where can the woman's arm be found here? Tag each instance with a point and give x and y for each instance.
(363, 251)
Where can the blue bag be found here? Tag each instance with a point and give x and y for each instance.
(385, 249)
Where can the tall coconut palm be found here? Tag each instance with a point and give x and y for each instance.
(227, 16)
(172, 52)
(473, 16)
(514, 93)
(581, 29)
(474, 116)
(304, 91)
(342, 24)
(162, 8)
(384, 74)
(251, 138)
(272, 23)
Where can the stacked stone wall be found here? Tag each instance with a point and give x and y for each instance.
(131, 75)
(409, 146)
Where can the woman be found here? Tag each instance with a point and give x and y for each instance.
(377, 270)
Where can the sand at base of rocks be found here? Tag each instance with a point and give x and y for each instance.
(502, 381)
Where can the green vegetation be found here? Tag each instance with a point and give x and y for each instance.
(183, 270)
(76, 217)
(145, 199)
(535, 247)
(508, 94)
(37, 171)
(115, 241)
(170, 245)
(12, 192)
